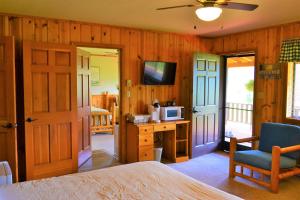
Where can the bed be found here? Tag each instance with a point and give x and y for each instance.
(142, 180)
(102, 120)
(104, 113)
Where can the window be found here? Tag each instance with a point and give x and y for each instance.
(293, 91)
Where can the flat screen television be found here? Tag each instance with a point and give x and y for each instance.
(159, 73)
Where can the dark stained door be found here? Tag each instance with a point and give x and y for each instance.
(206, 90)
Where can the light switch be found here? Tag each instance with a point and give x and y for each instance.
(128, 83)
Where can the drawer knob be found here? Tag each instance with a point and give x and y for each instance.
(146, 140)
(145, 154)
(145, 130)
(165, 127)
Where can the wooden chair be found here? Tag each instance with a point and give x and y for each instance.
(276, 157)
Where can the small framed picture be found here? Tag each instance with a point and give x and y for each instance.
(95, 75)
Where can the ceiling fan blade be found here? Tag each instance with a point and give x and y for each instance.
(238, 6)
(171, 7)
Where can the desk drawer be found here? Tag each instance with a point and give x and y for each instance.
(146, 153)
(145, 139)
(165, 127)
(146, 130)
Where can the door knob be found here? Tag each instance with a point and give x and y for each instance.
(10, 125)
(29, 119)
(194, 110)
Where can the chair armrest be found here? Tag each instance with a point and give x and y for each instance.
(234, 141)
(277, 151)
(250, 139)
(290, 149)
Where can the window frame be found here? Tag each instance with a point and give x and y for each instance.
(290, 120)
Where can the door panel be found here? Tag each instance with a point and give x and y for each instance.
(84, 107)
(63, 84)
(200, 128)
(212, 93)
(40, 96)
(50, 109)
(41, 137)
(211, 128)
(61, 138)
(206, 89)
(8, 132)
(200, 96)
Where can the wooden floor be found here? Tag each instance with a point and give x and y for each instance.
(103, 141)
(103, 153)
(100, 159)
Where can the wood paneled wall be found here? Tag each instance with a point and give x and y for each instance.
(137, 45)
(266, 43)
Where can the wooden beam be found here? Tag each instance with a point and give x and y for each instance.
(290, 149)
(289, 173)
(275, 169)
(263, 183)
(250, 139)
(241, 64)
(263, 171)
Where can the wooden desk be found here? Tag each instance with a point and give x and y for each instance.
(141, 140)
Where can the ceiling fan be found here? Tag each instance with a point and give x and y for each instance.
(211, 9)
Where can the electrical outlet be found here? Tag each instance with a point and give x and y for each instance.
(128, 94)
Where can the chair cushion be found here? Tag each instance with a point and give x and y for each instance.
(262, 159)
(283, 135)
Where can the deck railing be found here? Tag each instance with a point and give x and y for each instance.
(237, 112)
(243, 113)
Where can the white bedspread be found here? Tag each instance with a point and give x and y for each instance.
(95, 109)
(143, 180)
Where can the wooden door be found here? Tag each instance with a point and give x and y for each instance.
(84, 107)
(8, 131)
(50, 108)
(206, 89)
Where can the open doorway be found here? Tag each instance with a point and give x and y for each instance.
(240, 74)
(98, 71)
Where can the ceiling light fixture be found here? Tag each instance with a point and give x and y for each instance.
(208, 13)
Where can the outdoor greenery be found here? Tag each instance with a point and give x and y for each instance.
(250, 86)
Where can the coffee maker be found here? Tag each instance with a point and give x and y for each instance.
(154, 111)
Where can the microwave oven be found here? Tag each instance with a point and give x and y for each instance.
(171, 113)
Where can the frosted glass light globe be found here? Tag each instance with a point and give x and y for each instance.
(208, 13)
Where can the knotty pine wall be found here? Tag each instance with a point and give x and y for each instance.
(266, 43)
(137, 45)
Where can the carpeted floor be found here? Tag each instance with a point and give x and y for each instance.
(213, 170)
